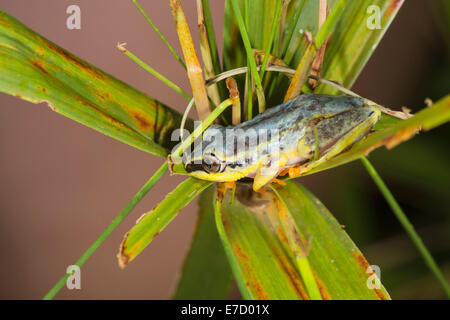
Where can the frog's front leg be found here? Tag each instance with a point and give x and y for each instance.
(346, 140)
(268, 169)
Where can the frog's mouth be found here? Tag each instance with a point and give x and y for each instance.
(192, 167)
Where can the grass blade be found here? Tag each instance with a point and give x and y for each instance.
(206, 53)
(304, 66)
(331, 249)
(299, 249)
(214, 275)
(268, 47)
(259, 263)
(152, 223)
(194, 70)
(251, 59)
(171, 49)
(112, 226)
(353, 43)
(409, 228)
(152, 71)
(211, 36)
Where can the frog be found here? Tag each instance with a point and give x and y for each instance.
(291, 138)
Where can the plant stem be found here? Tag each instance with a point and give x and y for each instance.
(299, 251)
(251, 58)
(249, 95)
(268, 47)
(160, 34)
(409, 228)
(308, 278)
(112, 226)
(211, 36)
(243, 289)
(153, 72)
(199, 130)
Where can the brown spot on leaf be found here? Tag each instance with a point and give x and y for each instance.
(41, 88)
(5, 23)
(122, 257)
(394, 6)
(39, 64)
(322, 288)
(253, 282)
(105, 115)
(362, 262)
(82, 65)
(143, 123)
(155, 235)
(401, 136)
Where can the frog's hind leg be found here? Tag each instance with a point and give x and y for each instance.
(398, 114)
(350, 137)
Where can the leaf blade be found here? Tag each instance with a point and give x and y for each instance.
(260, 266)
(331, 248)
(152, 223)
(214, 275)
(353, 43)
(78, 90)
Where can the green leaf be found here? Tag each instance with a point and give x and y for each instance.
(37, 70)
(350, 46)
(261, 266)
(338, 265)
(353, 43)
(263, 261)
(152, 223)
(206, 273)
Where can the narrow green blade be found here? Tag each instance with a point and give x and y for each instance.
(263, 261)
(206, 273)
(355, 39)
(152, 223)
(37, 70)
(339, 267)
(260, 264)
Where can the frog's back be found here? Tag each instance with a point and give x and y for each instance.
(290, 114)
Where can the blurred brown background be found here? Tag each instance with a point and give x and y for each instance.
(62, 183)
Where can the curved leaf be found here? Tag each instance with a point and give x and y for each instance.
(149, 225)
(261, 266)
(262, 258)
(206, 272)
(349, 48)
(339, 267)
(37, 70)
(353, 42)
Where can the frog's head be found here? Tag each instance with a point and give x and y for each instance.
(218, 156)
(336, 126)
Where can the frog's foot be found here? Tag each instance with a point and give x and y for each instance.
(278, 181)
(297, 171)
(230, 184)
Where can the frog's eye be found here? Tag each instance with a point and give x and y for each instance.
(212, 164)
